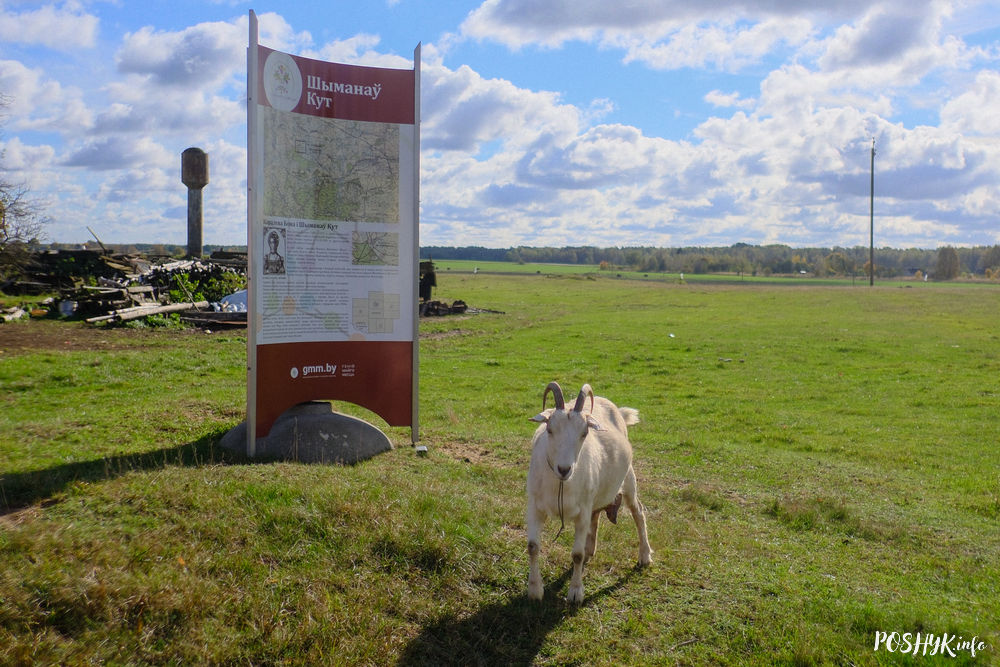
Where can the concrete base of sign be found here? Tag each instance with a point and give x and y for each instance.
(313, 433)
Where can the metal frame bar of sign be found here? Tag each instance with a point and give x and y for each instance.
(332, 236)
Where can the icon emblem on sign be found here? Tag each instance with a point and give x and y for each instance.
(282, 81)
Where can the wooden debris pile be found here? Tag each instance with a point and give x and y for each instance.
(102, 287)
(440, 308)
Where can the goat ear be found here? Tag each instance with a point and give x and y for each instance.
(542, 416)
(594, 424)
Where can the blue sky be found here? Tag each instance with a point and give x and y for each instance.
(544, 122)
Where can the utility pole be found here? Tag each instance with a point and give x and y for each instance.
(871, 215)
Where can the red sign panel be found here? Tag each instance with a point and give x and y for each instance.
(332, 90)
(377, 376)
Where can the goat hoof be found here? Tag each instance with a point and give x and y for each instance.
(646, 560)
(575, 595)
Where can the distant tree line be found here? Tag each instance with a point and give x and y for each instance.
(942, 264)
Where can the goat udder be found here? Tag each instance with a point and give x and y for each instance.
(610, 510)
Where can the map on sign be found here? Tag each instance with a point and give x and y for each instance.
(375, 249)
(376, 313)
(330, 169)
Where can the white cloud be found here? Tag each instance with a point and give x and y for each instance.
(359, 50)
(275, 32)
(20, 158)
(118, 152)
(974, 111)
(720, 99)
(893, 47)
(136, 184)
(63, 28)
(725, 46)
(39, 103)
(141, 106)
(196, 58)
(885, 35)
(601, 158)
(464, 111)
(726, 34)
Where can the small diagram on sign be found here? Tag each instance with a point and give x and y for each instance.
(377, 313)
(375, 249)
(274, 249)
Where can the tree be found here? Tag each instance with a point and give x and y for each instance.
(947, 264)
(839, 264)
(990, 259)
(21, 223)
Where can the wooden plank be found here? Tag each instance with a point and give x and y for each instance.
(134, 313)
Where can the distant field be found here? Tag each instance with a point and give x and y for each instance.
(470, 266)
(819, 465)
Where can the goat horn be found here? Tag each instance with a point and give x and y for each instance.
(582, 397)
(557, 393)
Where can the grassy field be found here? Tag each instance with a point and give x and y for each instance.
(819, 465)
(449, 266)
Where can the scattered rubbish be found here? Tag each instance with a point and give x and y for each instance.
(11, 314)
(234, 303)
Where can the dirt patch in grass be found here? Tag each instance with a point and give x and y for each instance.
(41, 334)
(464, 451)
(44, 334)
(438, 335)
(14, 519)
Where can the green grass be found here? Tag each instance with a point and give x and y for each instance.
(818, 464)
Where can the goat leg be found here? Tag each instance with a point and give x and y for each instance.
(535, 589)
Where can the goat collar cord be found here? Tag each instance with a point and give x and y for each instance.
(562, 521)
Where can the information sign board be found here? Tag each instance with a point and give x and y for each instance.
(333, 179)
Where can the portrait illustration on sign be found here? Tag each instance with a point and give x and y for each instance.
(274, 251)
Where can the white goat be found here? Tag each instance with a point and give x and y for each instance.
(581, 465)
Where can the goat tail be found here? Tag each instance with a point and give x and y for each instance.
(630, 415)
